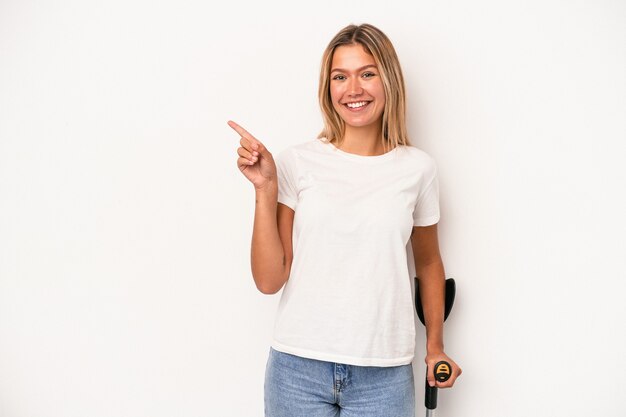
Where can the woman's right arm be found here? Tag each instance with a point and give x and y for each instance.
(271, 251)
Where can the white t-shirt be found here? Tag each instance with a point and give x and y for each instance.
(348, 298)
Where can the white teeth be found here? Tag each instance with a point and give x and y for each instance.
(356, 105)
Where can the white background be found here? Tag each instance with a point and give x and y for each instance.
(125, 225)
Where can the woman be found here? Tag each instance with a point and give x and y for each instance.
(333, 218)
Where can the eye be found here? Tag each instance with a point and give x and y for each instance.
(368, 75)
(339, 77)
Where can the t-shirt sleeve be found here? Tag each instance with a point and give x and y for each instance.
(286, 168)
(426, 210)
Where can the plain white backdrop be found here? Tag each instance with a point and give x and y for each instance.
(125, 225)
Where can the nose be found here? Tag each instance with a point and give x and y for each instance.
(354, 87)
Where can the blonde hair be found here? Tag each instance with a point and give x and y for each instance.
(376, 43)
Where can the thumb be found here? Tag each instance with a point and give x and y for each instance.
(261, 149)
(430, 376)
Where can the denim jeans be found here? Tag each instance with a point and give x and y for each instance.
(301, 387)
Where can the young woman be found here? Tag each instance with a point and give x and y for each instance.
(333, 219)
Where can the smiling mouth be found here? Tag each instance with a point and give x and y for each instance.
(357, 105)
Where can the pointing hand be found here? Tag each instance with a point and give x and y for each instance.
(255, 161)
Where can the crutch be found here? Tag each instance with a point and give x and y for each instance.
(442, 369)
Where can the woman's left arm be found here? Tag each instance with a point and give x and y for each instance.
(429, 270)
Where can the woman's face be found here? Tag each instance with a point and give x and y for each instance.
(356, 88)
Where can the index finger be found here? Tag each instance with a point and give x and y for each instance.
(242, 132)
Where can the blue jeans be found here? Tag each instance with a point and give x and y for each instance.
(301, 387)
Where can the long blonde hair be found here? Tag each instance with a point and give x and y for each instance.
(377, 44)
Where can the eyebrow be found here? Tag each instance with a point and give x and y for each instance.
(359, 69)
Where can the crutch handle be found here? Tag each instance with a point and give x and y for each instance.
(442, 373)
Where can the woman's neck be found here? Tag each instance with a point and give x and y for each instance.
(365, 141)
